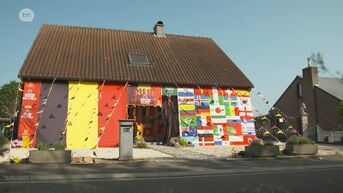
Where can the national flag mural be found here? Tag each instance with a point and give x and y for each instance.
(222, 116)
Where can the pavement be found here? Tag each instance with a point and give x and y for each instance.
(161, 167)
(322, 174)
(178, 170)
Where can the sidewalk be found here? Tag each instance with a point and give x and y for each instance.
(160, 167)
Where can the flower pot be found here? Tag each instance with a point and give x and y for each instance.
(262, 151)
(301, 149)
(50, 156)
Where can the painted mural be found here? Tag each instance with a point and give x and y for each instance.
(86, 114)
(214, 116)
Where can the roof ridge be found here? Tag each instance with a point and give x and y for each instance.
(123, 30)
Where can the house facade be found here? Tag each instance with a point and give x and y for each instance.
(318, 98)
(78, 82)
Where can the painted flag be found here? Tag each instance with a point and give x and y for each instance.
(202, 120)
(244, 103)
(201, 100)
(186, 101)
(186, 110)
(234, 119)
(234, 100)
(242, 92)
(188, 131)
(203, 111)
(234, 132)
(206, 91)
(188, 120)
(217, 110)
(185, 92)
(248, 128)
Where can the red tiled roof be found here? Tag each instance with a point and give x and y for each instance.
(92, 54)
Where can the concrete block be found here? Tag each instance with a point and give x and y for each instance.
(50, 156)
(301, 149)
(262, 151)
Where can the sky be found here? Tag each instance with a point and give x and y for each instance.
(268, 40)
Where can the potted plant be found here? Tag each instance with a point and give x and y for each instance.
(56, 154)
(301, 145)
(258, 148)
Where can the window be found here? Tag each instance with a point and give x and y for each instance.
(299, 90)
(139, 59)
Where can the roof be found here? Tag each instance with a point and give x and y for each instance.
(93, 54)
(333, 86)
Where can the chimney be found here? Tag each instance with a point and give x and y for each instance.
(159, 29)
(310, 75)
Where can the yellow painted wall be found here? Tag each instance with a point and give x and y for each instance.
(82, 121)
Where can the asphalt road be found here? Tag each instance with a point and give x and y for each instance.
(318, 174)
(314, 180)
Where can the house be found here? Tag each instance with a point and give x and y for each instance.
(317, 99)
(79, 81)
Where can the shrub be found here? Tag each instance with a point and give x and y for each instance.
(3, 140)
(141, 145)
(296, 140)
(59, 146)
(43, 146)
(268, 143)
(256, 142)
(183, 142)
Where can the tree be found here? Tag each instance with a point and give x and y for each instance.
(340, 109)
(8, 95)
(318, 60)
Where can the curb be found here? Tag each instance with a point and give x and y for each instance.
(145, 175)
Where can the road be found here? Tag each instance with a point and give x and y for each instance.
(260, 176)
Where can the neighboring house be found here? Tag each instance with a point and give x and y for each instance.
(319, 97)
(78, 81)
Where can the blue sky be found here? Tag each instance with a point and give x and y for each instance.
(269, 40)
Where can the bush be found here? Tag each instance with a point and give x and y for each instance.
(183, 142)
(3, 140)
(268, 143)
(59, 146)
(141, 145)
(43, 146)
(296, 140)
(256, 142)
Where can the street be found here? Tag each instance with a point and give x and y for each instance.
(253, 176)
(286, 182)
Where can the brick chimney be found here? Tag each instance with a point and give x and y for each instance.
(310, 75)
(159, 29)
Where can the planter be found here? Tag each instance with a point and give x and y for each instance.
(262, 151)
(50, 156)
(301, 149)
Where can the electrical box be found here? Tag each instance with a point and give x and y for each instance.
(126, 139)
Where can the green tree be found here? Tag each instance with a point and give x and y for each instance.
(8, 94)
(340, 109)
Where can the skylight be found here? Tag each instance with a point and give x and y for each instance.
(140, 59)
